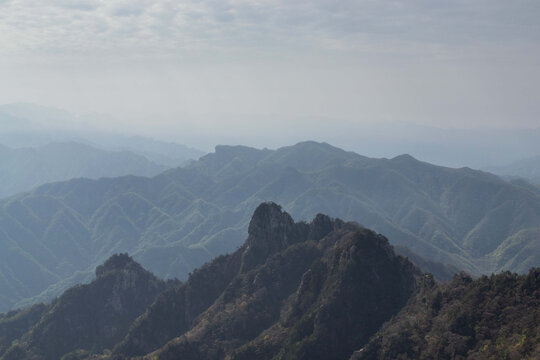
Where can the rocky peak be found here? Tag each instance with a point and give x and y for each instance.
(94, 316)
(269, 222)
(270, 230)
(117, 262)
(322, 225)
(404, 158)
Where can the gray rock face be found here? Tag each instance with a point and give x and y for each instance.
(272, 230)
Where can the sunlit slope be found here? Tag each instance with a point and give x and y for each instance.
(175, 221)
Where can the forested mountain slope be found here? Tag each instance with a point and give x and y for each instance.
(327, 289)
(87, 318)
(292, 290)
(492, 317)
(57, 234)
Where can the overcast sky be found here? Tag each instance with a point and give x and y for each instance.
(234, 66)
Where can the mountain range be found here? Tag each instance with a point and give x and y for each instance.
(528, 169)
(27, 124)
(22, 169)
(24, 125)
(54, 236)
(326, 289)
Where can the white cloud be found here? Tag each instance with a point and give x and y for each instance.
(173, 26)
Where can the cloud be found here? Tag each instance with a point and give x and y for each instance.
(77, 5)
(175, 26)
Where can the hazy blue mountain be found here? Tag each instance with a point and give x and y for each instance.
(528, 169)
(473, 147)
(10, 123)
(161, 152)
(57, 234)
(31, 125)
(25, 168)
(36, 115)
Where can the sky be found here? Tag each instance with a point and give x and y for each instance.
(232, 70)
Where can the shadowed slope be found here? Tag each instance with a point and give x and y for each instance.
(91, 317)
(289, 282)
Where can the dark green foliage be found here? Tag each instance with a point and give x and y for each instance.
(492, 317)
(318, 290)
(302, 291)
(271, 229)
(177, 221)
(16, 323)
(175, 309)
(91, 317)
(341, 301)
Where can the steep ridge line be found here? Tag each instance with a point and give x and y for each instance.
(292, 290)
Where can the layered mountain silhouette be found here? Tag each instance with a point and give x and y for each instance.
(26, 125)
(528, 169)
(54, 236)
(25, 168)
(327, 289)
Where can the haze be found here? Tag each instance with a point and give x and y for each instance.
(267, 73)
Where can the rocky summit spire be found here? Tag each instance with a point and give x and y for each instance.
(118, 262)
(270, 227)
(270, 230)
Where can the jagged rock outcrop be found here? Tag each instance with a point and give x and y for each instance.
(320, 290)
(301, 290)
(91, 317)
(271, 230)
(342, 299)
(326, 285)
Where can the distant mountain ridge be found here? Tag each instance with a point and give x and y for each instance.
(454, 147)
(25, 168)
(30, 125)
(57, 234)
(528, 169)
